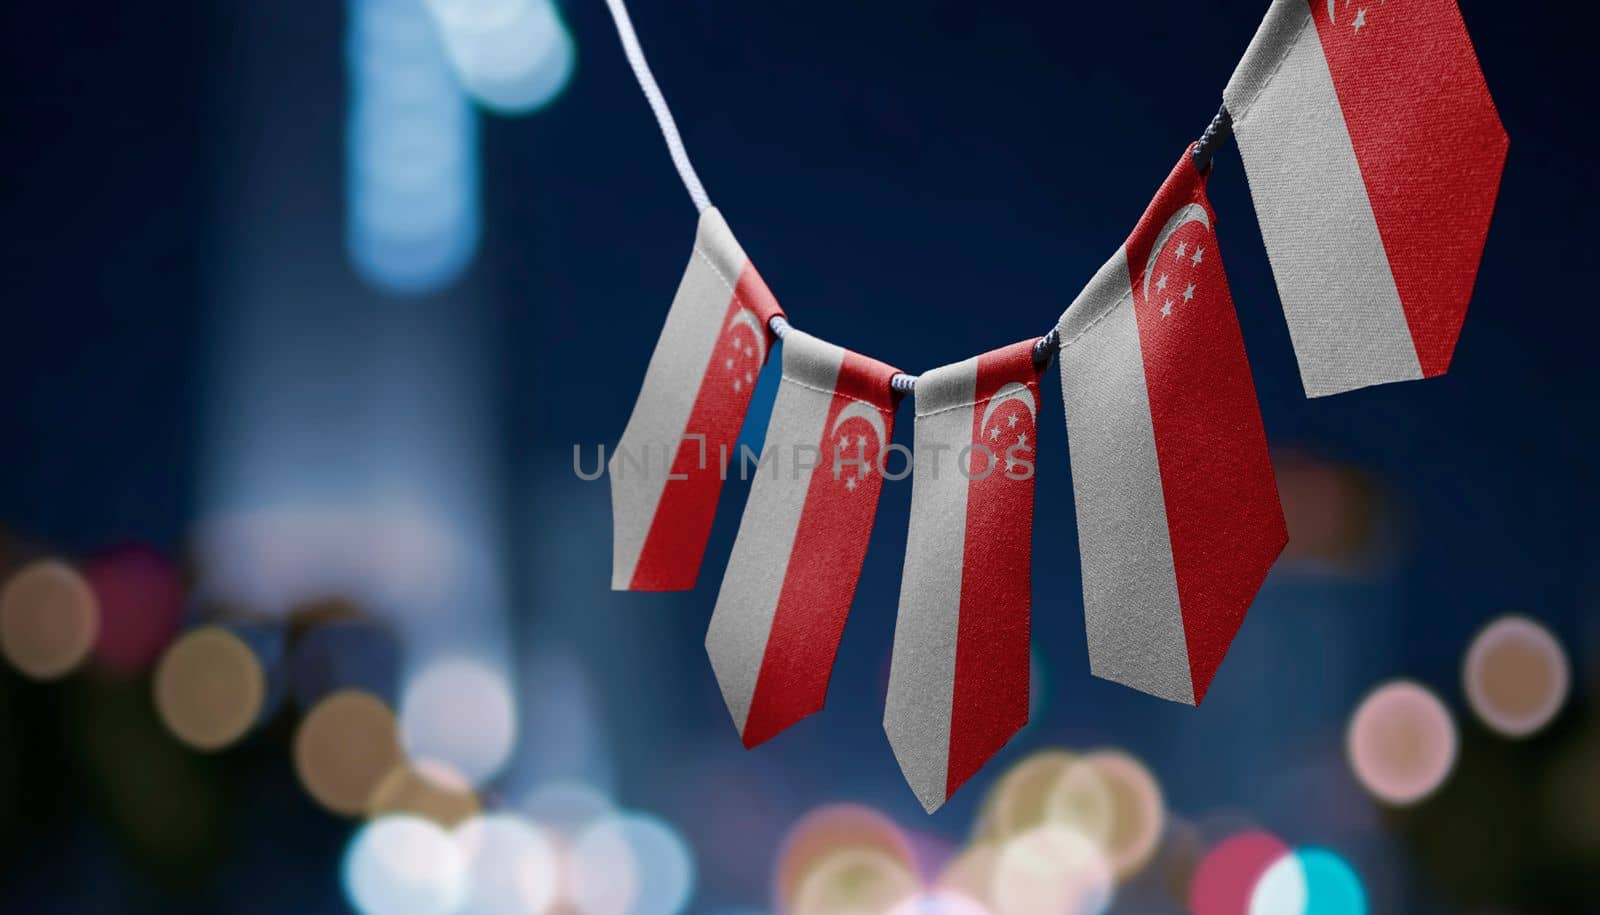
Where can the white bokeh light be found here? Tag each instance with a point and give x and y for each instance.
(512, 869)
(1051, 870)
(460, 712)
(512, 56)
(1282, 889)
(411, 152)
(404, 865)
(631, 863)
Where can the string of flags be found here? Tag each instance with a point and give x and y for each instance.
(1373, 153)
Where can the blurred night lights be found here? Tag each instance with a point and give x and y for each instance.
(413, 219)
(1309, 881)
(344, 748)
(1516, 676)
(1081, 799)
(828, 829)
(140, 594)
(460, 712)
(631, 864)
(1134, 811)
(855, 880)
(971, 872)
(512, 56)
(566, 807)
(1020, 800)
(940, 902)
(1401, 743)
(426, 788)
(49, 619)
(1051, 870)
(512, 868)
(403, 865)
(1226, 879)
(210, 688)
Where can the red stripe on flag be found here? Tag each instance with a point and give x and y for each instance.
(676, 542)
(824, 564)
(1223, 516)
(989, 702)
(1430, 146)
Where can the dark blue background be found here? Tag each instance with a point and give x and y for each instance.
(918, 181)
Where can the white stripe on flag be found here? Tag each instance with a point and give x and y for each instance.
(917, 712)
(1130, 589)
(1339, 296)
(741, 622)
(666, 475)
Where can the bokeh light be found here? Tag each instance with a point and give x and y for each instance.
(512, 868)
(1020, 799)
(940, 902)
(1401, 743)
(426, 788)
(210, 688)
(460, 712)
(1333, 513)
(1516, 676)
(1282, 889)
(631, 863)
(344, 748)
(1051, 870)
(512, 56)
(829, 829)
(1309, 881)
(855, 881)
(1130, 798)
(971, 872)
(566, 807)
(1227, 876)
(412, 152)
(141, 594)
(48, 619)
(401, 865)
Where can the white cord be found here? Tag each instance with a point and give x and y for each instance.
(1047, 346)
(658, 104)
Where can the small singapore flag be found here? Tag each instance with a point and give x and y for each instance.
(1374, 154)
(958, 681)
(667, 472)
(792, 575)
(1178, 514)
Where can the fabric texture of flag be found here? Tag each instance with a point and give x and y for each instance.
(795, 563)
(1178, 513)
(667, 472)
(1374, 155)
(958, 681)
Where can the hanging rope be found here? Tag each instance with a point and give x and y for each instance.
(1216, 133)
(658, 104)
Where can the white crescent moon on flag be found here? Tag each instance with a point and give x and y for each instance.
(1194, 212)
(1011, 390)
(858, 410)
(1331, 14)
(748, 318)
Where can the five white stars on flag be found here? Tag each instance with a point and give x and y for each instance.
(1194, 258)
(747, 351)
(851, 482)
(994, 436)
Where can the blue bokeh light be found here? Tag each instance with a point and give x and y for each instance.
(413, 209)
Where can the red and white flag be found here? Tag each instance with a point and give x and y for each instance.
(1178, 514)
(958, 682)
(667, 471)
(1374, 155)
(791, 578)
